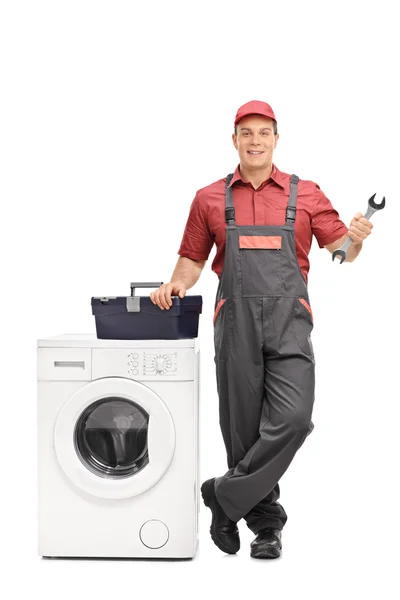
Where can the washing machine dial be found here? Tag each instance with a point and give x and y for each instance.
(160, 364)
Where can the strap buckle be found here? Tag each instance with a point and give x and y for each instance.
(291, 213)
(230, 213)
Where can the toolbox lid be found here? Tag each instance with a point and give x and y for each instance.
(109, 305)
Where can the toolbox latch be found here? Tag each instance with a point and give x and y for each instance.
(133, 304)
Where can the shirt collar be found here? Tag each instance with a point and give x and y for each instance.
(276, 176)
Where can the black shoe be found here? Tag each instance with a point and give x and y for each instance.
(224, 531)
(267, 544)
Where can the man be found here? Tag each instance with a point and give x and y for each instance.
(262, 221)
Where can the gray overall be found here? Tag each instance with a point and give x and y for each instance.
(264, 364)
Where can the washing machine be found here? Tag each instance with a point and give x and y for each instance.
(118, 447)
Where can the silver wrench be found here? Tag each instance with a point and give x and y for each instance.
(372, 207)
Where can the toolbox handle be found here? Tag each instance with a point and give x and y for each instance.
(143, 284)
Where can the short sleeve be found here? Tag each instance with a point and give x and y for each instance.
(326, 224)
(197, 240)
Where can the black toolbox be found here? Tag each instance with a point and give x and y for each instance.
(137, 318)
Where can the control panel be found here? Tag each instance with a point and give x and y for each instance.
(143, 363)
(153, 363)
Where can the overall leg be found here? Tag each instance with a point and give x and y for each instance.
(239, 366)
(285, 422)
(289, 398)
(267, 513)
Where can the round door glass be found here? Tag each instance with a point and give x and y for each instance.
(111, 437)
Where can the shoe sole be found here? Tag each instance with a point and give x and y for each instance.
(269, 553)
(205, 492)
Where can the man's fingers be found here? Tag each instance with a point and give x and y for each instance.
(165, 296)
(168, 300)
(360, 229)
(364, 226)
(155, 298)
(365, 222)
(354, 235)
(162, 296)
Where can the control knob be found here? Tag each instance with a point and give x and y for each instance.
(160, 364)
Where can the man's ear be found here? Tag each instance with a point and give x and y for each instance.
(276, 139)
(234, 140)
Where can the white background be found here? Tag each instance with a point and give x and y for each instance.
(113, 115)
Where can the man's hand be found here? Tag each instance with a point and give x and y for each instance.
(162, 296)
(360, 228)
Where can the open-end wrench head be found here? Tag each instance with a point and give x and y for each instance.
(340, 253)
(374, 205)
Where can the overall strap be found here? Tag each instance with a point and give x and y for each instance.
(291, 207)
(229, 207)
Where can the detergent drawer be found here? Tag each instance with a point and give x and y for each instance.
(64, 364)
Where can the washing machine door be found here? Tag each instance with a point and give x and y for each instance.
(114, 438)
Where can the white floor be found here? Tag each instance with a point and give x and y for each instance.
(324, 560)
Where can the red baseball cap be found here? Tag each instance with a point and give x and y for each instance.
(254, 107)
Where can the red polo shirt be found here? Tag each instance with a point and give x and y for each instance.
(266, 205)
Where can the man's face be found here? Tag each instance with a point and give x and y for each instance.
(255, 141)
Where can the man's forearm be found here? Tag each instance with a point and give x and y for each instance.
(188, 271)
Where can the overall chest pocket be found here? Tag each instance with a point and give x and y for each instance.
(261, 264)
